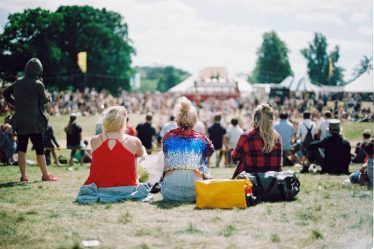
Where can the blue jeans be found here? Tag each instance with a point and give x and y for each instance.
(180, 185)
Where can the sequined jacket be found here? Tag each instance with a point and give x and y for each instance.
(187, 149)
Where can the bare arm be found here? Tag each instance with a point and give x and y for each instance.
(8, 94)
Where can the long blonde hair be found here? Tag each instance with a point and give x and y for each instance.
(263, 120)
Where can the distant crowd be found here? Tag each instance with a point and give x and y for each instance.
(253, 137)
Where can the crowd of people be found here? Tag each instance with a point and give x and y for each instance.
(254, 141)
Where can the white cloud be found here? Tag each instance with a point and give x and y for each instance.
(320, 18)
(360, 17)
(366, 30)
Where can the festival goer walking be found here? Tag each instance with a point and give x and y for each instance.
(216, 134)
(286, 131)
(233, 134)
(28, 97)
(306, 132)
(146, 132)
(50, 142)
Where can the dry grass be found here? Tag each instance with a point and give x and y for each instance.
(326, 214)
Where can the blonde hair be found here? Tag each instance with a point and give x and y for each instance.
(185, 113)
(263, 120)
(114, 119)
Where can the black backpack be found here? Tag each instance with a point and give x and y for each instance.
(308, 138)
(273, 186)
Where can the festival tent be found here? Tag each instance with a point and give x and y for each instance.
(244, 86)
(331, 89)
(363, 84)
(299, 84)
(184, 85)
(189, 83)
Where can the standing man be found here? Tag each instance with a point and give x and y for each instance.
(27, 95)
(306, 132)
(171, 124)
(216, 134)
(146, 132)
(323, 131)
(286, 131)
(233, 134)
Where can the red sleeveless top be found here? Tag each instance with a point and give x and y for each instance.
(114, 167)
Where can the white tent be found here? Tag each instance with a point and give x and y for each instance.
(188, 84)
(244, 86)
(302, 84)
(363, 84)
(331, 89)
(184, 85)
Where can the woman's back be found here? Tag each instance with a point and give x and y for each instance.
(113, 162)
(186, 149)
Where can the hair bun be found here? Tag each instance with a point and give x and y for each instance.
(185, 106)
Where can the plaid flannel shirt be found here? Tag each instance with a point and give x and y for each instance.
(251, 158)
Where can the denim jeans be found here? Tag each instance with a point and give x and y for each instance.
(180, 185)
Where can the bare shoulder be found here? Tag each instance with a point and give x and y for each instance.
(132, 144)
(134, 140)
(95, 142)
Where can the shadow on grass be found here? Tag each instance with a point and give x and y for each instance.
(168, 204)
(14, 184)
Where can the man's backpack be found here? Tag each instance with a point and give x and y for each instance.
(273, 186)
(309, 137)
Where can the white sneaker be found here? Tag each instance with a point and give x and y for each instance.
(347, 182)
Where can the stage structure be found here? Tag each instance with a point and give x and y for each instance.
(212, 82)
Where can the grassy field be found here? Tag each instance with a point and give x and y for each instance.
(326, 213)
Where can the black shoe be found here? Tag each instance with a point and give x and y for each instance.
(156, 188)
(304, 170)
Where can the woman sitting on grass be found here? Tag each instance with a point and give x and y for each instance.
(185, 152)
(260, 148)
(113, 172)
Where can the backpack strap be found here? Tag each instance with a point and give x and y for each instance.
(308, 129)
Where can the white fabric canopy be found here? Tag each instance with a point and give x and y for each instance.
(331, 89)
(299, 84)
(244, 86)
(184, 85)
(363, 84)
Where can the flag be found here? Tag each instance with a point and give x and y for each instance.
(82, 61)
(331, 68)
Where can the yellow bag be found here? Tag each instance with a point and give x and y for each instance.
(222, 193)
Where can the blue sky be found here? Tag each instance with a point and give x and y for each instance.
(191, 34)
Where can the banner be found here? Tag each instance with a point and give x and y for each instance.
(82, 61)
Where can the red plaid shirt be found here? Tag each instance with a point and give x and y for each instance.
(251, 157)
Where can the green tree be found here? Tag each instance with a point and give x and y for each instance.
(366, 64)
(322, 68)
(272, 64)
(57, 37)
(160, 78)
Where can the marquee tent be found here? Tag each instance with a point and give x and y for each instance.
(205, 81)
(363, 84)
(302, 84)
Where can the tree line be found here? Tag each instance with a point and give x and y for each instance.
(272, 64)
(57, 37)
